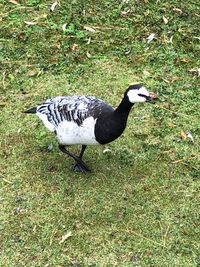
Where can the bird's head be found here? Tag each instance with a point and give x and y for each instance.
(137, 93)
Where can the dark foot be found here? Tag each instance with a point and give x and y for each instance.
(78, 167)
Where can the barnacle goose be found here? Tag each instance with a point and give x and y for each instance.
(87, 120)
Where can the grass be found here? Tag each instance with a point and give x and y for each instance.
(140, 205)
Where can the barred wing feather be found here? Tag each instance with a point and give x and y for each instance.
(71, 108)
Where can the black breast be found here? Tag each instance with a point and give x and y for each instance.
(109, 125)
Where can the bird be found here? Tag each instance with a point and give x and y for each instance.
(86, 120)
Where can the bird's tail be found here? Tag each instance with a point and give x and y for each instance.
(31, 110)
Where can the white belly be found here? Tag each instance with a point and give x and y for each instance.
(69, 133)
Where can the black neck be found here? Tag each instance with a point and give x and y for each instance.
(124, 107)
(111, 125)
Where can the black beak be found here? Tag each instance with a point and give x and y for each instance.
(151, 98)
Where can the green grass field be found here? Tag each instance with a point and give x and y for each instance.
(140, 204)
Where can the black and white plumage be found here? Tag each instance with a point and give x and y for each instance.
(87, 120)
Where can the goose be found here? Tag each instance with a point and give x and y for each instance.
(86, 120)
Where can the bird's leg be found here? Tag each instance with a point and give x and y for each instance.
(82, 151)
(80, 165)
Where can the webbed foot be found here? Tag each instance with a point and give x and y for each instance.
(81, 167)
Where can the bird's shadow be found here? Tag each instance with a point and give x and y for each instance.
(49, 162)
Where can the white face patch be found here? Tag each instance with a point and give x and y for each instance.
(133, 95)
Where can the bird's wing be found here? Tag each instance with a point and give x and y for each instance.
(72, 108)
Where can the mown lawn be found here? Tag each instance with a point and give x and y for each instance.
(140, 204)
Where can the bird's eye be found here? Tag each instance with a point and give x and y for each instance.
(143, 95)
